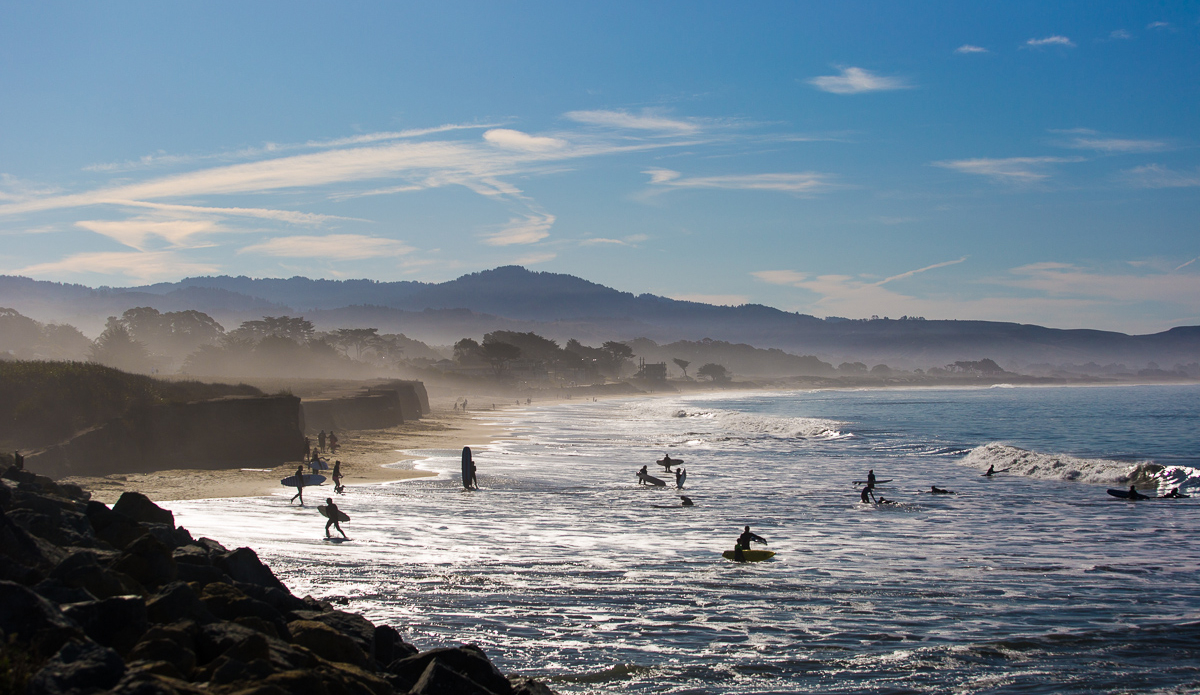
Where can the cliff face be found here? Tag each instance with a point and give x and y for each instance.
(414, 401)
(206, 434)
(367, 412)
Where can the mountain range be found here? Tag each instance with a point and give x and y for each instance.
(563, 306)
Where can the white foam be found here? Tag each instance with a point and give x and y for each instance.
(1182, 477)
(733, 422)
(1052, 466)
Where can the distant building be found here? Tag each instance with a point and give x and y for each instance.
(655, 371)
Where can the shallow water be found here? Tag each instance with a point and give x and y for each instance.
(562, 567)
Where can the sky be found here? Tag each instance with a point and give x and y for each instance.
(1014, 161)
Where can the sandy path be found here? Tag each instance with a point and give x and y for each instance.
(362, 453)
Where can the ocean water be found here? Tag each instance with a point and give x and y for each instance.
(564, 568)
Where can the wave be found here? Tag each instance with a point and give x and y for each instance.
(1144, 474)
(736, 423)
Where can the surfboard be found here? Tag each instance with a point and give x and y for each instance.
(308, 480)
(877, 482)
(651, 479)
(751, 555)
(466, 467)
(318, 465)
(669, 462)
(341, 516)
(1124, 494)
(682, 479)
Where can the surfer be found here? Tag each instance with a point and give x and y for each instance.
(331, 511)
(315, 462)
(321, 440)
(934, 489)
(687, 501)
(299, 486)
(666, 462)
(743, 543)
(871, 478)
(337, 477)
(1175, 494)
(642, 476)
(474, 477)
(1135, 495)
(679, 478)
(991, 470)
(333, 442)
(867, 495)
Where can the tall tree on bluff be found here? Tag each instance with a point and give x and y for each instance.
(116, 348)
(714, 371)
(499, 354)
(682, 364)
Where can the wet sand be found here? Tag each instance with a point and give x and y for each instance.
(363, 454)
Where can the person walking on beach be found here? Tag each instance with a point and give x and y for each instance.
(299, 486)
(332, 512)
(321, 440)
(337, 477)
(333, 442)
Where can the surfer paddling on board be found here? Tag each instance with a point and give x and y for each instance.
(331, 511)
(299, 486)
(743, 543)
(687, 501)
(1135, 495)
(1175, 494)
(934, 489)
(991, 470)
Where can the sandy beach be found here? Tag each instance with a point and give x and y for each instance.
(363, 454)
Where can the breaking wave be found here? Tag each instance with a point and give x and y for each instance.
(736, 423)
(1064, 467)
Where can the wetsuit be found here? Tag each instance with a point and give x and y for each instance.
(331, 511)
(299, 485)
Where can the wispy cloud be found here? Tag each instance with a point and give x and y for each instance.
(1158, 176)
(516, 140)
(1188, 263)
(646, 120)
(1158, 25)
(802, 183)
(856, 81)
(1065, 279)
(1050, 41)
(631, 240)
(798, 279)
(136, 233)
(142, 266)
(528, 229)
(337, 247)
(911, 273)
(1013, 169)
(780, 277)
(292, 217)
(968, 48)
(1120, 34)
(1117, 145)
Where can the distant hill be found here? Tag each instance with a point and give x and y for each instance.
(563, 306)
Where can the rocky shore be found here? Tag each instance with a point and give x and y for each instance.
(96, 599)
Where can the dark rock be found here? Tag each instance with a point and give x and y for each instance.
(327, 642)
(237, 641)
(6, 495)
(145, 681)
(170, 536)
(158, 668)
(192, 554)
(177, 601)
(258, 625)
(243, 565)
(33, 620)
(201, 574)
(213, 546)
(78, 667)
(29, 556)
(529, 686)
(74, 492)
(148, 561)
(227, 602)
(168, 650)
(352, 625)
(390, 646)
(83, 570)
(117, 622)
(439, 679)
(138, 507)
(467, 660)
(279, 599)
(121, 532)
(294, 682)
(57, 592)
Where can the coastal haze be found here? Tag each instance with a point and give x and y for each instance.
(912, 292)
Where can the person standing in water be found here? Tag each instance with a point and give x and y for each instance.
(678, 478)
(321, 440)
(474, 475)
(337, 477)
(743, 543)
(871, 478)
(867, 495)
(991, 470)
(332, 512)
(299, 486)
(642, 476)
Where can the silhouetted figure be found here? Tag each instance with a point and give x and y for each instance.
(333, 442)
(743, 543)
(871, 478)
(315, 462)
(867, 495)
(687, 501)
(299, 486)
(321, 440)
(991, 470)
(642, 476)
(934, 489)
(331, 511)
(307, 448)
(18, 460)
(1175, 494)
(474, 476)
(337, 477)
(678, 478)
(464, 405)
(1135, 495)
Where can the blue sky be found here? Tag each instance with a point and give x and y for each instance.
(1018, 161)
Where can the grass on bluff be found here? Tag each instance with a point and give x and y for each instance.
(43, 403)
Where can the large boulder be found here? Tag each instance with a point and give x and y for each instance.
(83, 570)
(138, 507)
(243, 565)
(177, 601)
(390, 646)
(148, 561)
(227, 602)
(115, 529)
(78, 667)
(352, 625)
(467, 660)
(24, 557)
(117, 622)
(34, 621)
(439, 679)
(327, 643)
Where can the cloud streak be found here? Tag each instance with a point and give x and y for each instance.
(968, 48)
(1050, 41)
(1011, 169)
(647, 120)
(147, 266)
(337, 247)
(801, 183)
(857, 81)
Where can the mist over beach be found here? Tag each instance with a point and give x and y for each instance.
(541, 348)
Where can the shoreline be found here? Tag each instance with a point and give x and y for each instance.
(363, 453)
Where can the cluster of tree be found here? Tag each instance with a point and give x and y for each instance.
(536, 355)
(24, 338)
(735, 357)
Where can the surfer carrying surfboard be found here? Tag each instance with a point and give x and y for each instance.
(299, 486)
(871, 478)
(334, 514)
(642, 476)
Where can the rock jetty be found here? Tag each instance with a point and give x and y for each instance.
(120, 600)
